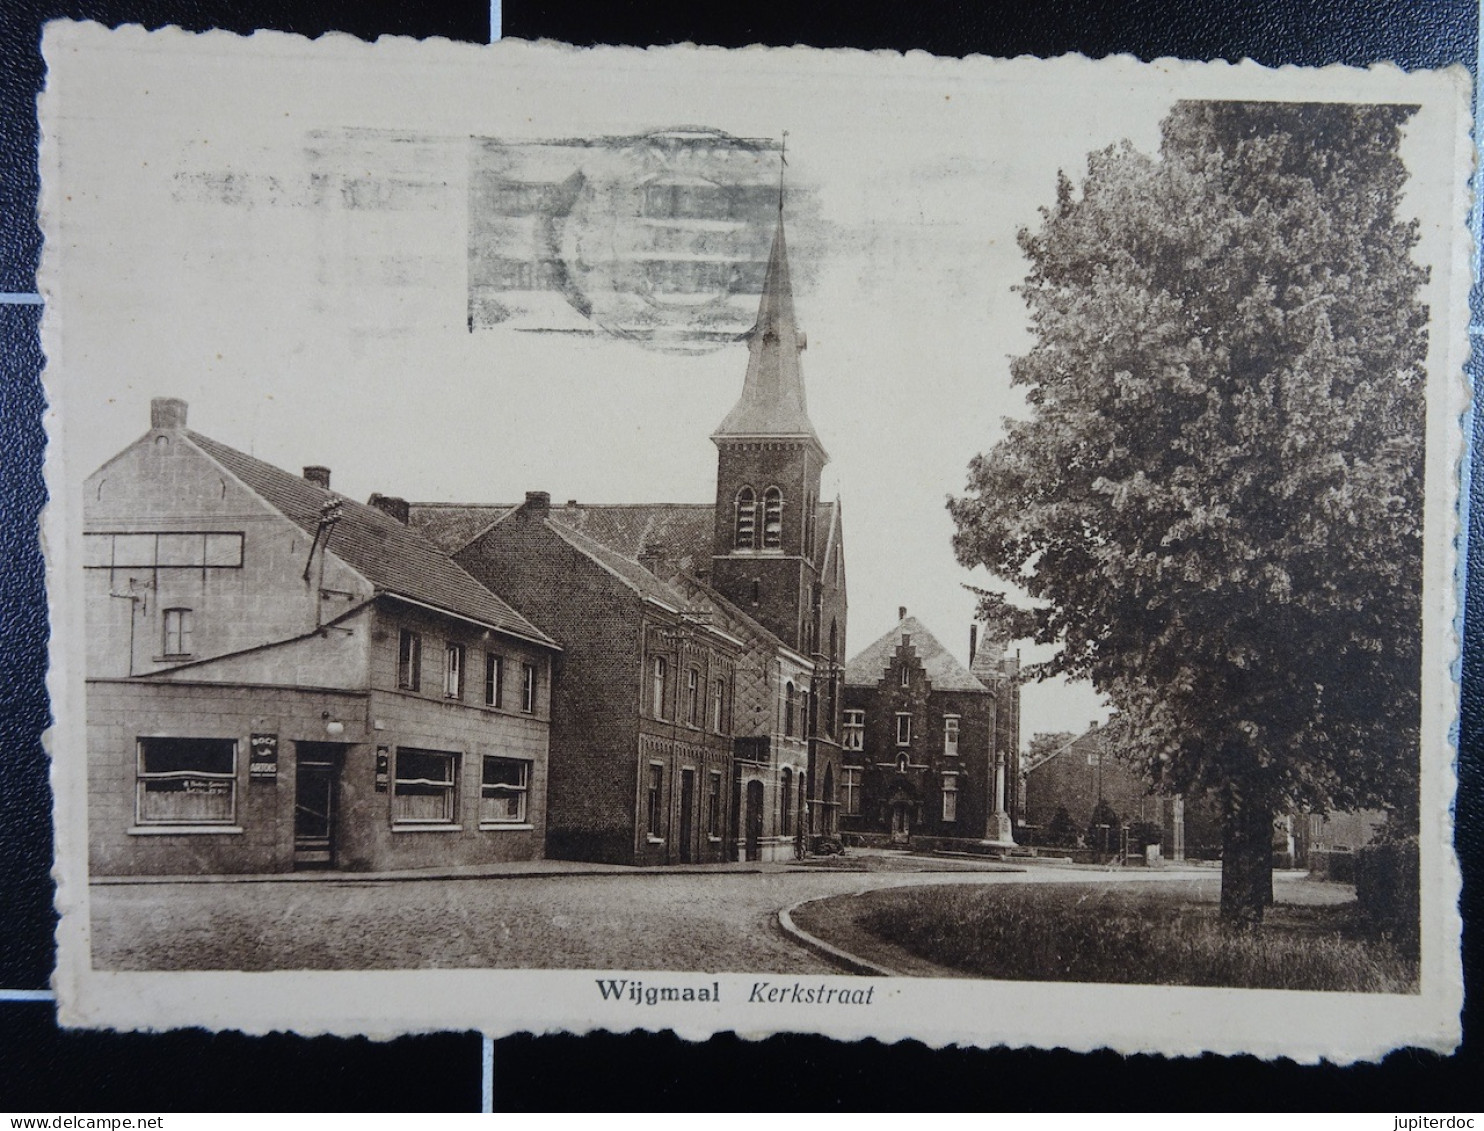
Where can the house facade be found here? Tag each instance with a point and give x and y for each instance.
(746, 597)
(278, 677)
(922, 753)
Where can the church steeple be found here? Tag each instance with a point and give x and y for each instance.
(772, 405)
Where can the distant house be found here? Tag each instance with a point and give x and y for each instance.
(923, 743)
(1087, 770)
(279, 677)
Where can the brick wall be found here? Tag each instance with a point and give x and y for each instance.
(593, 770)
(883, 784)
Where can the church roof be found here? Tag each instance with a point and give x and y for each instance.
(394, 559)
(944, 672)
(772, 401)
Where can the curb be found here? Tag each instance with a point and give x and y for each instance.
(852, 963)
(329, 877)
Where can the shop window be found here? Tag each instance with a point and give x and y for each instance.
(503, 788)
(186, 781)
(425, 790)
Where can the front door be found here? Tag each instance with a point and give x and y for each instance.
(901, 823)
(687, 815)
(315, 782)
(754, 822)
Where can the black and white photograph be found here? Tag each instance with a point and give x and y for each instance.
(771, 540)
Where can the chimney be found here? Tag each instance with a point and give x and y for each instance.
(319, 476)
(390, 505)
(973, 641)
(901, 612)
(537, 504)
(167, 412)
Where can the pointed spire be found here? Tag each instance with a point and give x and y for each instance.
(772, 402)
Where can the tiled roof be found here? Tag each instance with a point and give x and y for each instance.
(625, 569)
(391, 557)
(943, 671)
(679, 532)
(452, 526)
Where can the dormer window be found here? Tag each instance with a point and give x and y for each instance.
(772, 519)
(746, 538)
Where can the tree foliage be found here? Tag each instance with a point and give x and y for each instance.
(1216, 500)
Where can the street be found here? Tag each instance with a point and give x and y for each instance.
(678, 920)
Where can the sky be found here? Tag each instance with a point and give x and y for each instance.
(193, 253)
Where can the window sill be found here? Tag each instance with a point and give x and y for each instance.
(427, 828)
(172, 657)
(184, 830)
(505, 826)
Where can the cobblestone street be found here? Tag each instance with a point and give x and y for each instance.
(691, 920)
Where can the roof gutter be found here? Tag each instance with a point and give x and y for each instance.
(542, 641)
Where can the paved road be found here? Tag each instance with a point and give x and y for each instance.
(716, 921)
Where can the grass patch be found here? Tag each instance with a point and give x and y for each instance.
(1164, 934)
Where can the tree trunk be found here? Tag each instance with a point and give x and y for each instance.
(1246, 861)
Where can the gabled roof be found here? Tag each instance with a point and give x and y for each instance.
(628, 571)
(772, 401)
(452, 526)
(394, 559)
(944, 672)
(680, 533)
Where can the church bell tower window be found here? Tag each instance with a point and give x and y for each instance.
(746, 519)
(772, 519)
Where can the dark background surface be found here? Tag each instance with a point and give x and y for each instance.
(43, 1069)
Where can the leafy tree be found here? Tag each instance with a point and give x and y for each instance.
(1216, 502)
(1060, 830)
(1046, 742)
(1102, 828)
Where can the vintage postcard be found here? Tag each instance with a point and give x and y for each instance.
(769, 540)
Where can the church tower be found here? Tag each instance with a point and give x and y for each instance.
(767, 545)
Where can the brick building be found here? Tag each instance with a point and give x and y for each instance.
(926, 742)
(745, 597)
(1088, 769)
(279, 677)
